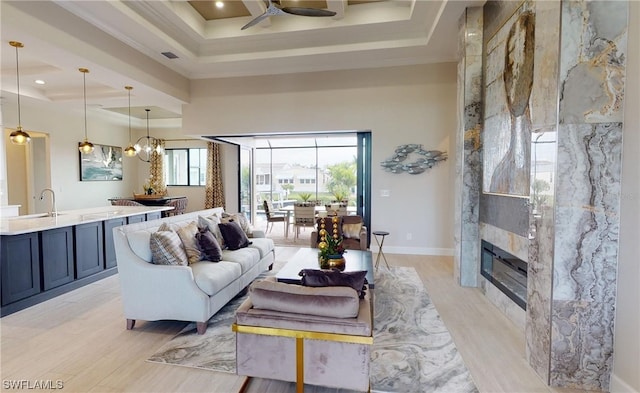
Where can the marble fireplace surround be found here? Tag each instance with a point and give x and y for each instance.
(569, 235)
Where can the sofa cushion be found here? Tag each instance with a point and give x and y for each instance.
(245, 257)
(209, 246)
(187, 235)
(166, 249)
(234, 236)
(139, 241)
(263, 245)
(337, 302)
(212, 277)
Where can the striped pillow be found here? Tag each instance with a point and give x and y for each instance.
(166, 249)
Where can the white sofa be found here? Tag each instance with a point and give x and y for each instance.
(186, 293)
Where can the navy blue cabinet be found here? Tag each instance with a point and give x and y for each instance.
(20, 260)
(89, 249)
(135, 219)
(57, 257)
(109, 249)
(154, 216)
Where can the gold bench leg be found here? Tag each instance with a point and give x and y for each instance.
(299, 365)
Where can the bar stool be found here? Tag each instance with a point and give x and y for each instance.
(382, 234)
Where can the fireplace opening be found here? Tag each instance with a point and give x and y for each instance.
(507, 272)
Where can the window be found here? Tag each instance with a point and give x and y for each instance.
(307, 181)
(263, 179)
(285, 181)
(185, 167)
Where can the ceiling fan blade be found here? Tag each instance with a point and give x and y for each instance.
(307, 11)
(257, 20)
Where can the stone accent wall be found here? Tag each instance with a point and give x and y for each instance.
(571, 218)
(468, 149)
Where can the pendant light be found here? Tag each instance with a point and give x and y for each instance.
(85, 147)
(130, 151)
(18, 137)
(145, 145)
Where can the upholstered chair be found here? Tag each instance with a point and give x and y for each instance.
(179, 206)
(304, 215)
(273, 216)
(125, 202)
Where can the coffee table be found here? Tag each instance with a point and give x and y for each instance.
(307, 258)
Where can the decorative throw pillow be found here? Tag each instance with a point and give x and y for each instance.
(212, 222)
(351, 231)
(187, 235)
(166, 249)
(335, 278)
(209, 246)
(165, 227)
(234, 236)
(241, 219)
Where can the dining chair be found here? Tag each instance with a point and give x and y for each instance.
(304, 215)
(179, 206)
(273, 216)
(125, 202)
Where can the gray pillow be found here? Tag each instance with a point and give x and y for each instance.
(234, 236)
(209, 246)
(335, 278)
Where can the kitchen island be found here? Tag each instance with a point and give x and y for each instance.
(42, 257)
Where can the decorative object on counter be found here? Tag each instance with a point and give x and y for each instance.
(85, 147)
(103, 163)
(130, 151)
(331, 248)
(146, 145)
(427, 159)
(18, 137)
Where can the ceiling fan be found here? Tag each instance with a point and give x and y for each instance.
(273, 10)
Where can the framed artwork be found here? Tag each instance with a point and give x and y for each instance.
(507, 133)
(103, 164)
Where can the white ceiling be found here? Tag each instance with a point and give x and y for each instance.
(121, 43)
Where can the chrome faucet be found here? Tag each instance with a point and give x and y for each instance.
(53, 212)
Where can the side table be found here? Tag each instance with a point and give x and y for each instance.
(382, 234)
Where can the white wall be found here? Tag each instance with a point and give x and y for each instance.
(400, 105)
(66, 128)
(626, 368)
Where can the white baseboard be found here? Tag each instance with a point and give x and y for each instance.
(617, 385)
(414, 250)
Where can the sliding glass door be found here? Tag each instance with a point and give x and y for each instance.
(320, 168)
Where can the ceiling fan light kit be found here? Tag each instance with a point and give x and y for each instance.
(18, 137)
(272, 10)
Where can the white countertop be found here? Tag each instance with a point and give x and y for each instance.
(40, 222)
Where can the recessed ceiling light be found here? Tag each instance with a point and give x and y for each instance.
(40, 82)
(219, 4)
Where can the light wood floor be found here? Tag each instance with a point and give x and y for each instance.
(80, 339)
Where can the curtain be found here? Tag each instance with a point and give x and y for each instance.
(214, 196)
(156, 172)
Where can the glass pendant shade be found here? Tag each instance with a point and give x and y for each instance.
(145, 145)
(18, 137)
(130, 151)
(85, 147)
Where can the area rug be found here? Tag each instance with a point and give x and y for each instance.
(412, 351)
